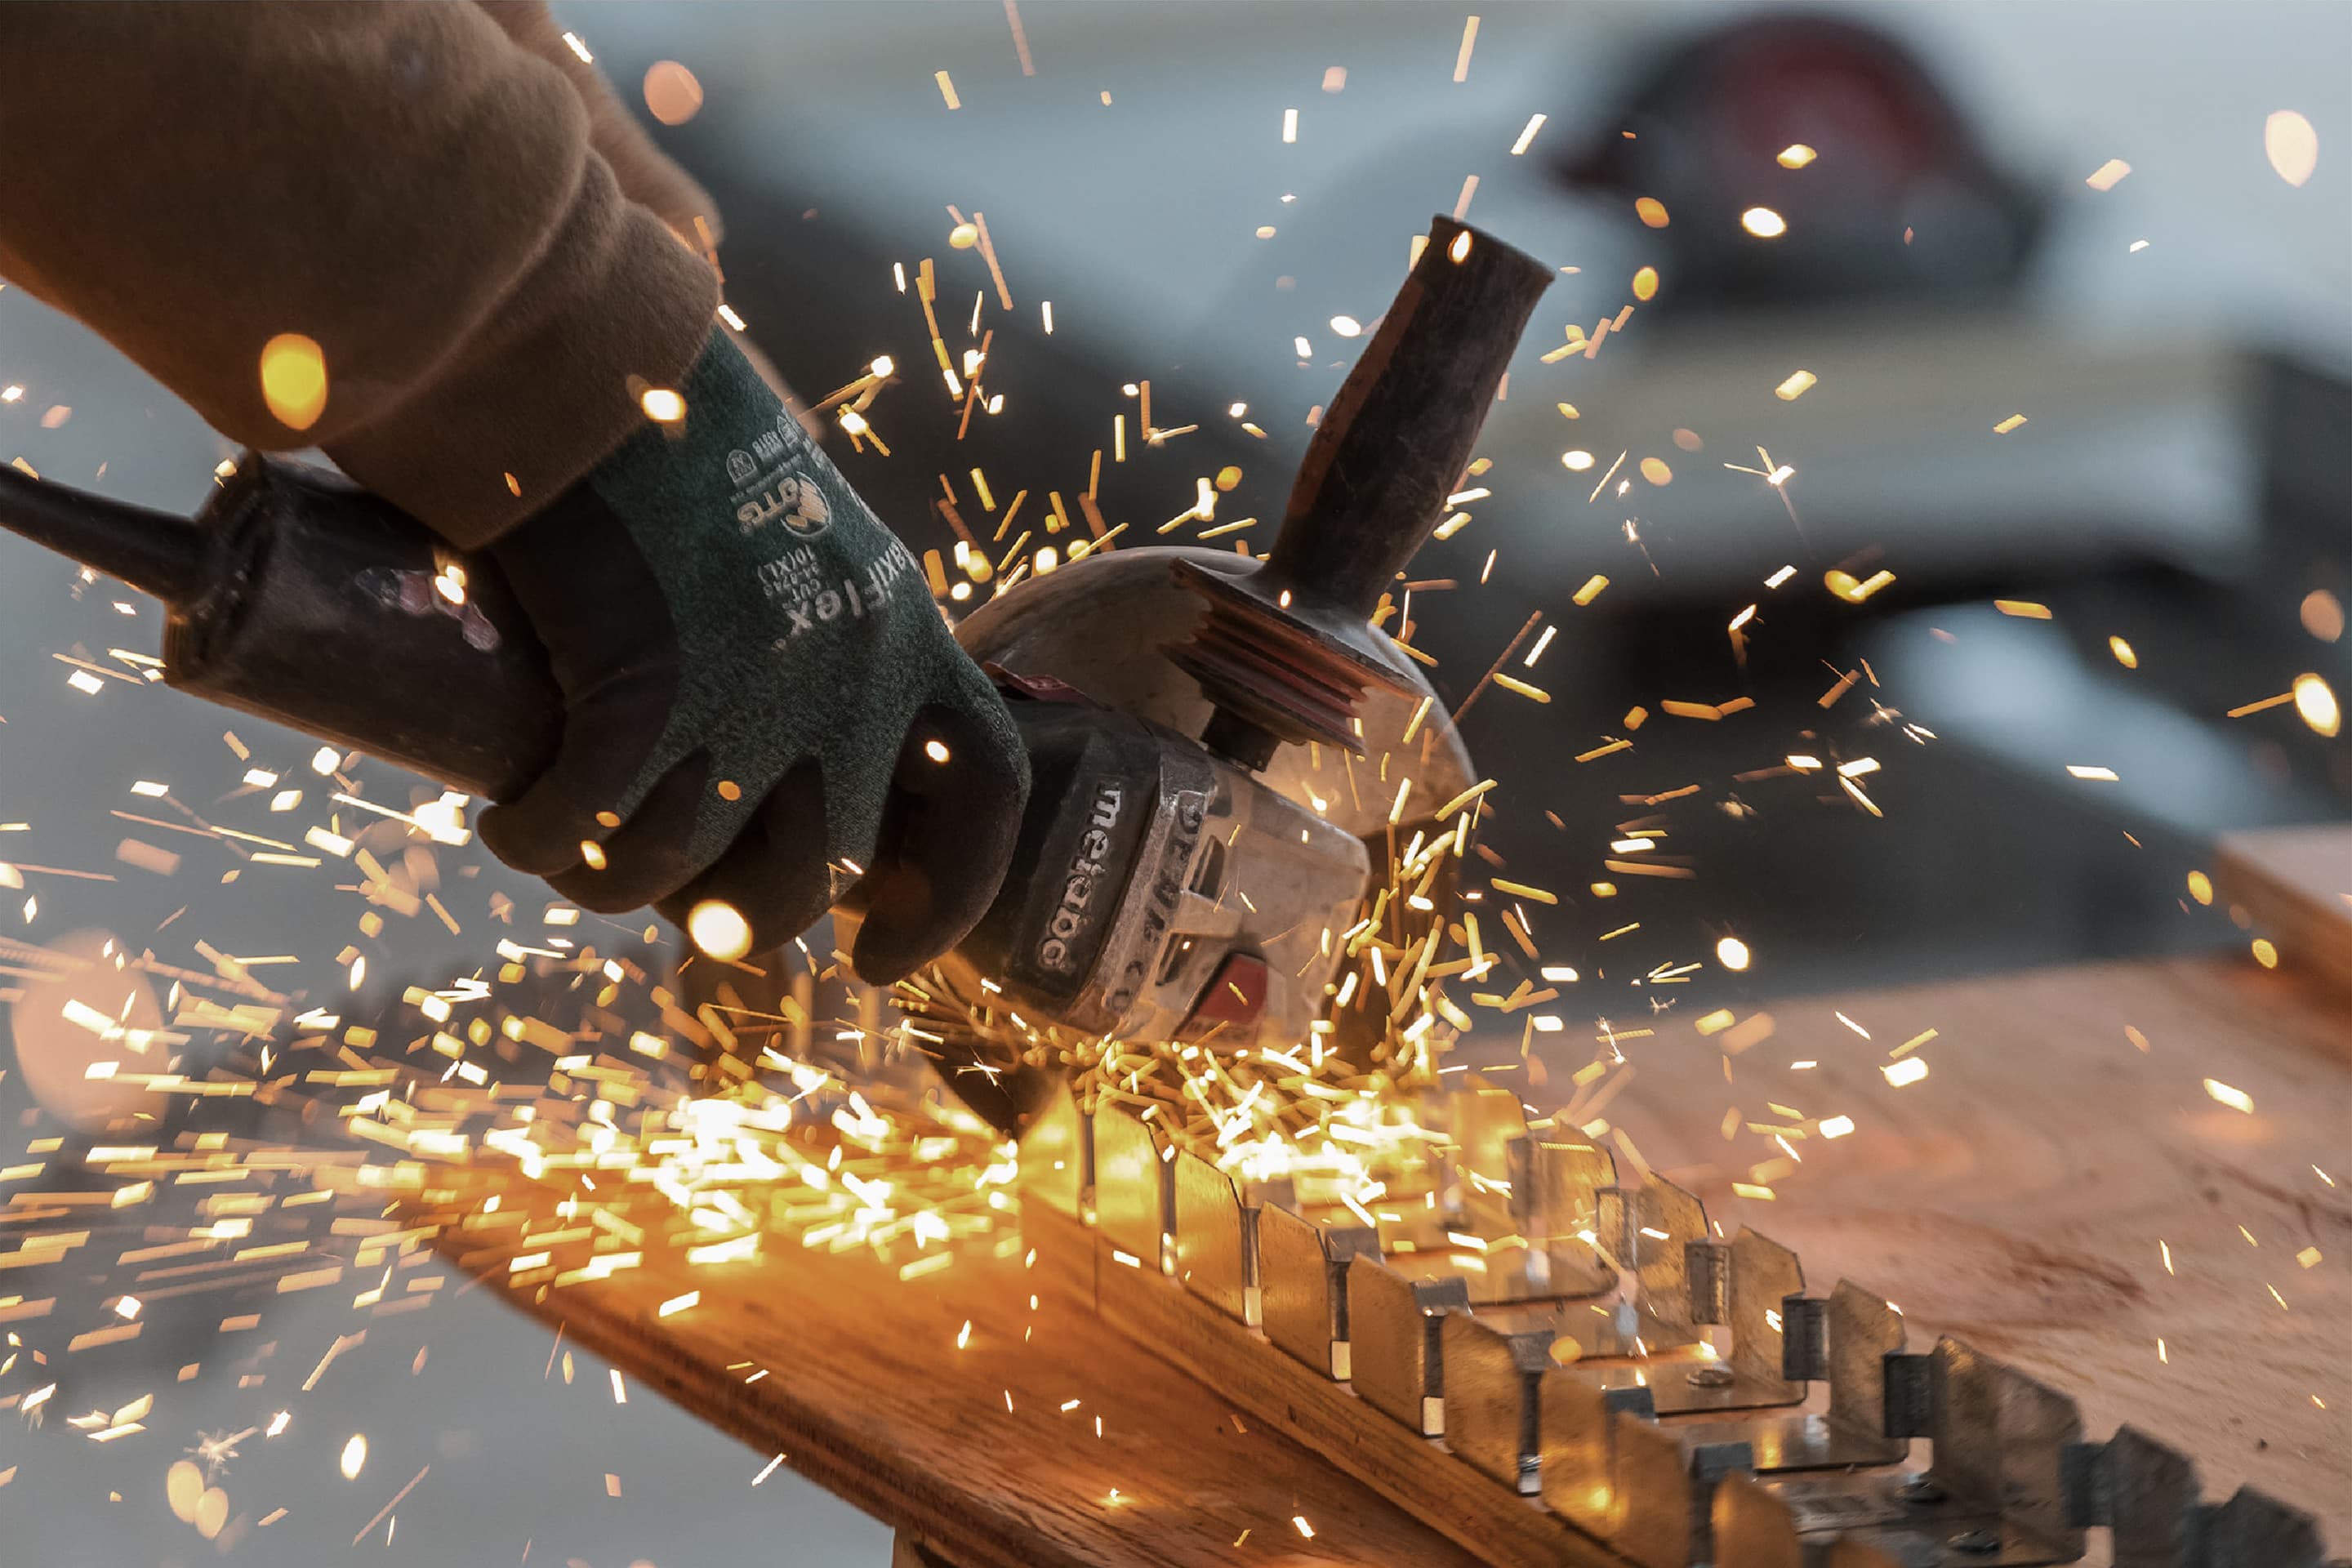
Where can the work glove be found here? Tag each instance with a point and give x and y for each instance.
(762, 705)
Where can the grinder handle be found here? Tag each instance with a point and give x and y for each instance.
(297, 596)
(1373, 483)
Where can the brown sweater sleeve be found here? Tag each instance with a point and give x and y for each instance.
(646, 175)
(399, 182)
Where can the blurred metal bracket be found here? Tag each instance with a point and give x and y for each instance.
(1134, 1187)
(1647, 1231)
(1485, 1123)
(2149, 1496)
(1215, 1241)
(1302, 1269)
(1057, 1156)
(1554, 1203)
(1998, 1436)
(1490, 1396)
(1395, 1333)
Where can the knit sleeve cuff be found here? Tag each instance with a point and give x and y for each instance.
(551, 382)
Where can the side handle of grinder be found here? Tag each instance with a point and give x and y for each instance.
(1286, 653)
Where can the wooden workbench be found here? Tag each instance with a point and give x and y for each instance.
(2018, 1195)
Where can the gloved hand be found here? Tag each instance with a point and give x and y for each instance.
(762, 704)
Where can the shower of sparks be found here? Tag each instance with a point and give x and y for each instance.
(566, 1067)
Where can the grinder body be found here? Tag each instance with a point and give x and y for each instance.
(1158, 891)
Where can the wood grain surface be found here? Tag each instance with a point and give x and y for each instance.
(970, 1452)
(2297, 885)
(2020, 1196)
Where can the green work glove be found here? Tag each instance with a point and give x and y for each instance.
(764, 707)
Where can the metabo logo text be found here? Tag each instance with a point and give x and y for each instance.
(1085, 870)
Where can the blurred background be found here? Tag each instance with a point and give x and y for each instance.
(2103, 218)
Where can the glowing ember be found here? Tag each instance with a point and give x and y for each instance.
(2292, 146)
(672, 94)
(2235, 1099)
(2315, 703)
(294, 380)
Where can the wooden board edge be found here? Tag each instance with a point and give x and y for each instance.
(2314, 932)
(815, 1445)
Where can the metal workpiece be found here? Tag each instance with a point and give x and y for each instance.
(2149, 1497)
(1486, 1122)
(1553, 1204)
(1863, 1331)
(1910, 1401)
(1708, 1266)
(1670, 1219)
(1057, 1157)
(1752, 1528)
(1215, 1225)
(1764, 1274)
(1566, 1274)
(1672, 1458)
(1739, 1284)
(1134, 1187)
(2143, 1491)
(2147, 1493)
(1302, 1286)
(1846, 1340)
(1491, 1373)
(2252, 1529)
(1853, 1554)
(1891, 1518)
(1647, 1231)
(1553, 1186)
(1667, 1484)
(1999, 1440)
(1576, 1446)
(1395, 1340)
